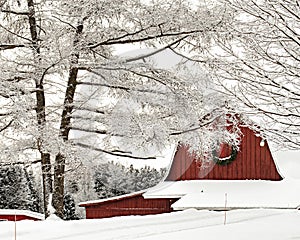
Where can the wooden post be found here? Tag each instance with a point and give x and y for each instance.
(15, 226)
(225, 212)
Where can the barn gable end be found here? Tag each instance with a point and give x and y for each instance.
(253, 161)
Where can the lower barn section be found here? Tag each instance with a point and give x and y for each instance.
(126, 205)
(18, 215)
(16, 218)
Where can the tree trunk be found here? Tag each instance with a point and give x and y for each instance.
(59, 168)
(47, 181)
(40, 109)
(59, 185)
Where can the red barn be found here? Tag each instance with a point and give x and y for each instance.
(186, 177)
(18, 215)
(130, 204)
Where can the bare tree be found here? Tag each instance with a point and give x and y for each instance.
(257, 63)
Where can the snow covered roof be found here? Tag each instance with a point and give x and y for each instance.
(212, 194)
(22, 212)
(92, 202)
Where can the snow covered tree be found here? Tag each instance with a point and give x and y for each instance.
(257, 63)
(143, 178)
(10, 188)
(146, 177)
(133, 173)
(34, 203)
(52, 51)
(113, 179)
(17, 189)
(69, 208)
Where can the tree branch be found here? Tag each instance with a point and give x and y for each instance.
(142, 39)
(102, 84)
(11, 46)
(7, 126)
(155, 52)
(6, 29)
(64, 22)
(112, 153)
(15, 12)
(19, 163)
(88, 109)
(89, 130)
(213, 120)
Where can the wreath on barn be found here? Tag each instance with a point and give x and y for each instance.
(225, 160)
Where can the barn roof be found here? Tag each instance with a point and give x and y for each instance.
(106, 200)
(210, 194)
(13, 212)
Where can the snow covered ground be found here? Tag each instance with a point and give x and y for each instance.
(189, 224)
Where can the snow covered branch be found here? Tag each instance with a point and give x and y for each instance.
(116, 153)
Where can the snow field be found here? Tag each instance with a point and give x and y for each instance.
(189, 224)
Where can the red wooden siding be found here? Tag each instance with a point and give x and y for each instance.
(128, 205)
(17, 218)
(252, 162)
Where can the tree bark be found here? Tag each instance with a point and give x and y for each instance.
(47, 180)
(40, 110)
(59, 168)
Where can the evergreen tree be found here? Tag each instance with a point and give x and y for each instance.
(113, 179)
(10, 188)
(34, 203)
(69, 208)
(101, 181)
(133, 174)
(18, 190)
(80, 186)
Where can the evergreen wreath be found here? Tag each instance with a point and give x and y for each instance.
(225, 160)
